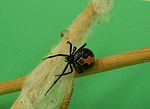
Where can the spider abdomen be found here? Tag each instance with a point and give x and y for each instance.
(83, 60)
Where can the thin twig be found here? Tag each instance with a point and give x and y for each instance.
(101, 65)
(120, 60)
(11, 85)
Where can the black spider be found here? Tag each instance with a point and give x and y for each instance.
(80, 59)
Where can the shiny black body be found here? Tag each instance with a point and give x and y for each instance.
(84, 54)
(80, 59)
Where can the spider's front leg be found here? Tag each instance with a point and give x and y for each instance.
(80, 48)
(70, 46)
(74, 48)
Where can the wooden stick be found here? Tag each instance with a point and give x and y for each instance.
(101, 65)
(121, 60)
(11, 85)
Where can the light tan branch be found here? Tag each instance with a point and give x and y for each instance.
(120, 60)
(11, 85)
(101, 65)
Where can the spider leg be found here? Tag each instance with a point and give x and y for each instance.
(70, 71)
(80, 48)
(70, 46)
(67, 72)
(74, 49)
(57, 78)
(56, 56)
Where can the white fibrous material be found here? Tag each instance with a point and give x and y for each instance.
(102, 6)
(35, 87)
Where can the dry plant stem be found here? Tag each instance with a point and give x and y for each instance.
(11, 85)
(101, 65)
(76, 33)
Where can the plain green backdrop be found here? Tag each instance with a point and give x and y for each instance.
(29, 28)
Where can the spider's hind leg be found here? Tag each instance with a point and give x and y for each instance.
(67, 72)
(57, 79)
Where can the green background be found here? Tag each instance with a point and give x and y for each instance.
(29, 28)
